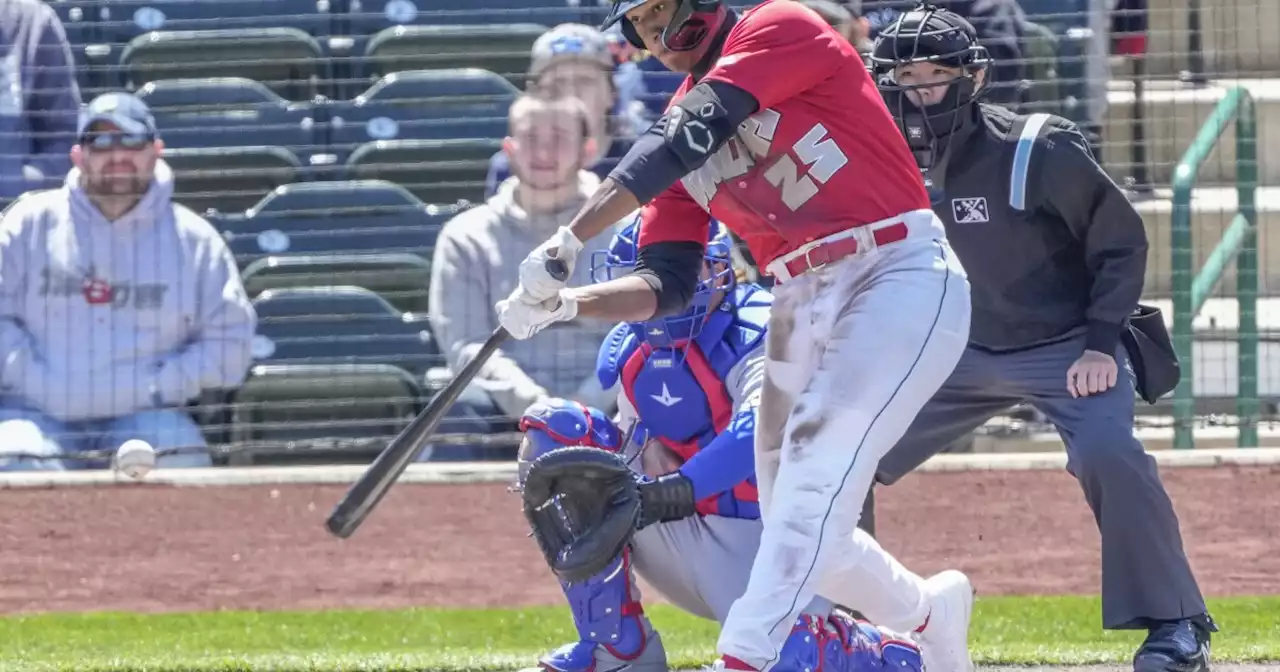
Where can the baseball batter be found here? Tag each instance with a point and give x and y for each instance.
(779, 132)
(690, 392)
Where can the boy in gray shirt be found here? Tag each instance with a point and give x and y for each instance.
(549, 148)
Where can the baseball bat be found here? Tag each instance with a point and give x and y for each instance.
(368, 491)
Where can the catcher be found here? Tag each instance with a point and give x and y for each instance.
(683, 476)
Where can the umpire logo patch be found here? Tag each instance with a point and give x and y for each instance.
(969, 210)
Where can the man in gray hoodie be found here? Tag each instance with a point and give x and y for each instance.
(549, 147)
(39, 98)
(117, 306)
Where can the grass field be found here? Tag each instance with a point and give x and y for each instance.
(1011, 631)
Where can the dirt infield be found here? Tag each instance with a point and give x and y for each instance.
(163, 548)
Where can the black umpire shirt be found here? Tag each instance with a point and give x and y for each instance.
(1053, 250)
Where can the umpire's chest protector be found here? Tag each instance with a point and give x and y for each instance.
(685, 404)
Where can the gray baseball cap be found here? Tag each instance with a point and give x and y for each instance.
(570, 41)
(125, 110)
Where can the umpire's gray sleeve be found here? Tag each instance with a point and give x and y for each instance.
(1079, 191)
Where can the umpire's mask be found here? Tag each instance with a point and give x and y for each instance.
(928, 34)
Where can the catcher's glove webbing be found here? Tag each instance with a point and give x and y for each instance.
(583, 505)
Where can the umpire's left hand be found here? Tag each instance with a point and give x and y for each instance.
(1093, 373)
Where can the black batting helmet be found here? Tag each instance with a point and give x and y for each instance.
(686, 32)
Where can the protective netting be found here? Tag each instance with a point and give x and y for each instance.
(329, 142)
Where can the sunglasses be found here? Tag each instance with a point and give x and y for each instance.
(103, 141)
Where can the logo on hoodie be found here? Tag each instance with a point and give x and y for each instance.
(98, 291)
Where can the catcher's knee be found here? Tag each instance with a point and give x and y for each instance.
(560, 423)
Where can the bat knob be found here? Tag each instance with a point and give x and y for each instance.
(557, 269)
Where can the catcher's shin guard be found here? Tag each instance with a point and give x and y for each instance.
(612, 628)
(840, 643)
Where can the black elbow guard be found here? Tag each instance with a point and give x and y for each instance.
(697, 126)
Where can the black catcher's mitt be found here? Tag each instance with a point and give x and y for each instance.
(583, 505)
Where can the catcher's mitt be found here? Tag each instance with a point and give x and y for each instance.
(583, 505)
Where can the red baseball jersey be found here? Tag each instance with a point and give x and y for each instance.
(821, 154)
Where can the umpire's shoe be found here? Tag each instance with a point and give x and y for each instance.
(1176, 646)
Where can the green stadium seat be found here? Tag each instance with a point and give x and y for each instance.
(502, 48)
(229, 179)
(317, 412)
(365, 216)
(401, 278)
(287, 60)
(423, 105)
(436, 171)
(341, 325)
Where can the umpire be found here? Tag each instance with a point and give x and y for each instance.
(1056, 257)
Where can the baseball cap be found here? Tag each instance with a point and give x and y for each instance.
(570, 41)
(125, 110)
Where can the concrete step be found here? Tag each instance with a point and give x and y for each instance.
(1239, 37)
(1174, 115)
(1212, 211)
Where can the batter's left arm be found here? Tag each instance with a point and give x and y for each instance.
(1115, 240)
(730, 458)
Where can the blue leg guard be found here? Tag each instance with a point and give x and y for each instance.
(610, 622)
(841, 644)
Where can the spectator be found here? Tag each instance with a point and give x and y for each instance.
(474, 267)
(117, 306)
(846, 19)
(39, 98)
(576, 60)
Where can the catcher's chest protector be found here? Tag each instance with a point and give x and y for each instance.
(685, 404)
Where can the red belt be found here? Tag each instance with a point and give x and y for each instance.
(835, 250)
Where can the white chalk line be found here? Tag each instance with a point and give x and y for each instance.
(505, 472)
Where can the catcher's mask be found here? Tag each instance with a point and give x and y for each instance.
(928, 34)
(692, 28)
(717, 279)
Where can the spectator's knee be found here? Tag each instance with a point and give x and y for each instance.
(27, 444)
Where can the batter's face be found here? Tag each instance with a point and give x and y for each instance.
(547, 148)
(650, 20)
(113, 163)
(925, 74)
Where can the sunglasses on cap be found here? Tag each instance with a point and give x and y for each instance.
(104, 140)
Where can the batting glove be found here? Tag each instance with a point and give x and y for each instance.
(538, 284)
(522, 318)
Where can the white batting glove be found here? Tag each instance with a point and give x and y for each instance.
(537, 282)
(523, 318)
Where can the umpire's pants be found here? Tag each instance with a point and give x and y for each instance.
(1145, 573)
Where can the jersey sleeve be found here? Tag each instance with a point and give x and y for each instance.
(778, 50)
(674, 217)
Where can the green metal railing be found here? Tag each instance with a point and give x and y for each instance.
(1239, 243)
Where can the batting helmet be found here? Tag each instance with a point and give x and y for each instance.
(690, 27)
(718, 277)
(929, 34)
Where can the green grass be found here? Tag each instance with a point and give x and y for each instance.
(1006, 630)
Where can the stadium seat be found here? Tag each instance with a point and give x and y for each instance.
(401, 278)
(229, 179)
(80, 22)
(287, 60)
(230, 112)
(336, 217)
(320, 411)
(365, 17)
(341, 325)
(423, 105)
(127, 19)
(502, 48)
(436, 171)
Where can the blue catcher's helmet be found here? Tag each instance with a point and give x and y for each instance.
(717, 279)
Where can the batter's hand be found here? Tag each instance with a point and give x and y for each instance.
(1095, 372)
(522, 318)
(538, 284)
